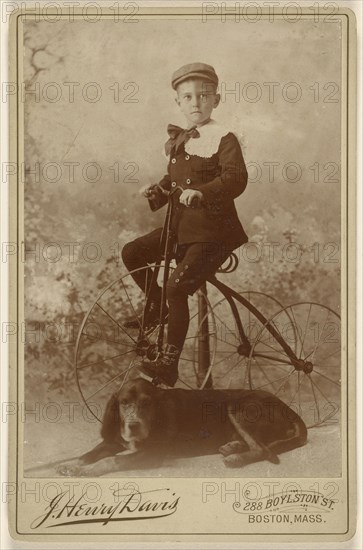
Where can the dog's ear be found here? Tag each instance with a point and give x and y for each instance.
(111, 420)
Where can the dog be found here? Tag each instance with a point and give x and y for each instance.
(144, 423)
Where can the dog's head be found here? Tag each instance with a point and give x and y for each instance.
(130, 412)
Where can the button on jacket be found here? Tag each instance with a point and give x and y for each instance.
(220, 177)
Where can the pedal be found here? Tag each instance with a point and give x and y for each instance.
(145, 376)
(155, 380)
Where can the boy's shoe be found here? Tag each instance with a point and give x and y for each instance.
(152, 317)
(165, 368)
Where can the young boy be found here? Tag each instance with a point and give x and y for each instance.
(206, 161)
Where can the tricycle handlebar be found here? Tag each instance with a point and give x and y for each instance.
(166, 192)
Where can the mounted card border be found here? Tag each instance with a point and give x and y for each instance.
(19, 511)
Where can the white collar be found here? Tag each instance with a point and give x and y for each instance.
(208, 143)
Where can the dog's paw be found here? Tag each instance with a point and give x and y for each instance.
(69, 470)
(72, 469)
(233, 460)
(76, 470)
(231, 448)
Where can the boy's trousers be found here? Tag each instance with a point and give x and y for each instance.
(196, 262)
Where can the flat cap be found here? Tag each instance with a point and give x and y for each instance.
(194, 70)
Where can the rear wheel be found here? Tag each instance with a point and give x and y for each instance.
(310, 384)
(230, 360)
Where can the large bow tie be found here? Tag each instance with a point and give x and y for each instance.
(178, 136)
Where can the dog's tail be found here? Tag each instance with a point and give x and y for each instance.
(253, 443)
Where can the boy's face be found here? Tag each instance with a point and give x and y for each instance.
(197, 99)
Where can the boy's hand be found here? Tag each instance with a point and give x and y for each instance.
(190, 196)
(148, 191)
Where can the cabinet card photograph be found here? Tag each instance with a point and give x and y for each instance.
(182, 252)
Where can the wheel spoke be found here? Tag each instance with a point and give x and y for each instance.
(271, 358)
(193, 316)
(108, 383)
(281, 366)
(297, 390)
(299, 396)
(306, 328)
(271, 347)
(296, 327)
(326, 377)
(228, 344)
(330, 355)
(315, 399)
(228, 331)
(277, 380)
(319, 389)
(228, 371)
(146, 296)
(283, 384)
(249, 313)
(223, 359)
(131, 304)
(80, 367)
(107, 340)
(320, 337)
(264, 374)
(128, 370)
(196, 336)
(229, 352)
(116, 323)
(147, 292)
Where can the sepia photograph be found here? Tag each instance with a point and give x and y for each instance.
(182, 258)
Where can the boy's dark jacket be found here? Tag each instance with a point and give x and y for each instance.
(220, 178)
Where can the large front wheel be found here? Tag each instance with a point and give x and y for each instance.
(107, 353)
